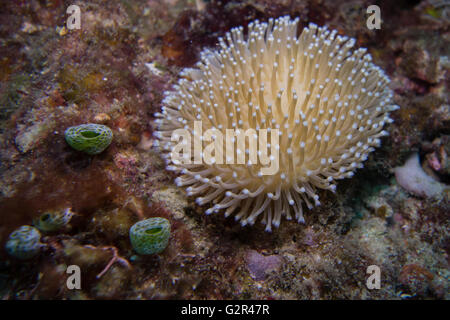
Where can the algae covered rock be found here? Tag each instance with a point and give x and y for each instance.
(24, 243)
(150, 236)
(90, 138)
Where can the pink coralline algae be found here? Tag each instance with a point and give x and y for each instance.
(433, 161)
(259, 265)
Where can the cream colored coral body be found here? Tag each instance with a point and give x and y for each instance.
(329, 102)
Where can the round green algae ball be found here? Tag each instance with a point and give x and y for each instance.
(91, 138)
(53, 220)
(150, 236)
(24, 243)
